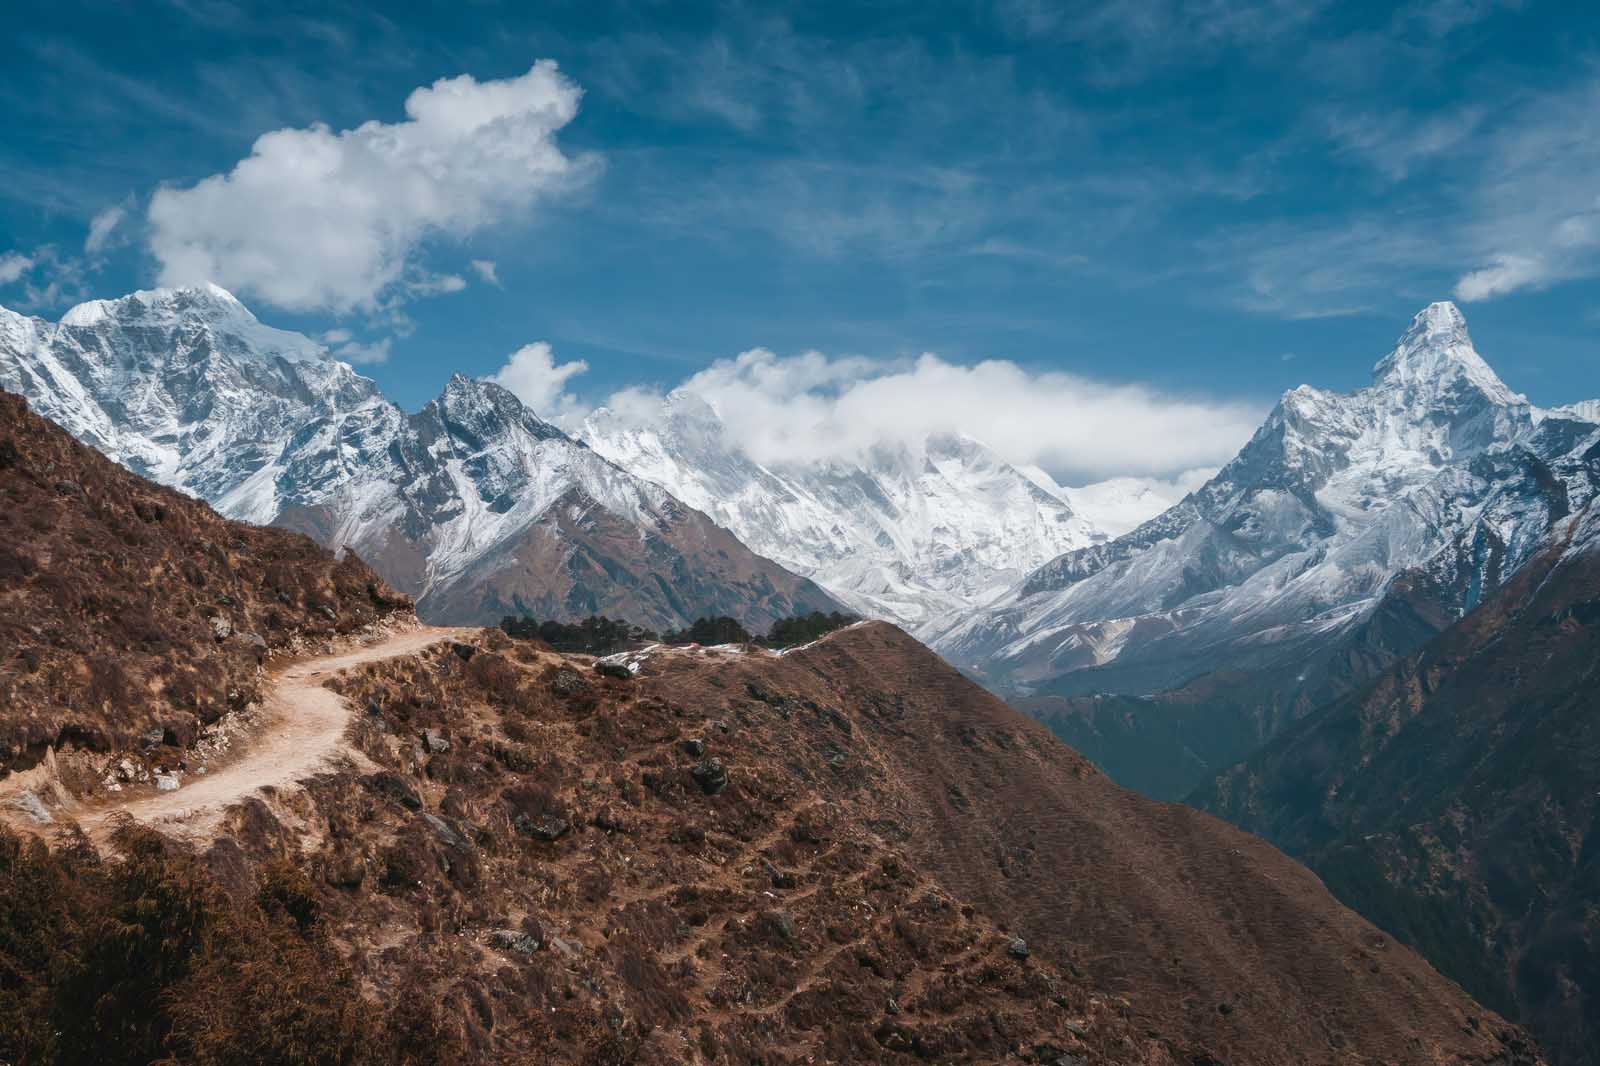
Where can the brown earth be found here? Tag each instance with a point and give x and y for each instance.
(570, 891)
(127, 608)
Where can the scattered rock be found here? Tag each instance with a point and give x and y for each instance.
(606, 668)
(570, 950)
(221, 626)
(778, 878)
(31, 807)
(390, 784)
(515, 940)
(781, 923)
(694, 747)
(710, 775)
(69, 488)
(167, 782)
(608, 820)
(255, 640)
(1018, 948)
(444, 830)
(568, 682)
(152, 738)
(547, 826)
(434, 742)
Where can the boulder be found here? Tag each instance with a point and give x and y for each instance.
(710, 775)
(610, 668)
(515, 940)
(548, 826)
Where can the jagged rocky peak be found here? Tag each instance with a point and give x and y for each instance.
(208, 307)
(482, 407)
(1436, 355)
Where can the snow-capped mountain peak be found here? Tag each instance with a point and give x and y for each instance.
(1435, 357)
(912, 531)
(474, 503)
(207, 307)
(1436, 464)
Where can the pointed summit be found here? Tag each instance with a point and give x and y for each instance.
(1435, 356)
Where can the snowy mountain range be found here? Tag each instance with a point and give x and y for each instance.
(474, 504)
(1436, 467)
(908, 533)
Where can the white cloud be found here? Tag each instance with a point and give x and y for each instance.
(101, 228)
(813, 407)
(336, 336)
(317, 219)
(533, 375)
(1508, 274)
(357, 352)
(435, 284)
(12, 266)
(487, 271)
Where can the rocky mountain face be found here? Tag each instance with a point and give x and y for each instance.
(1349, 529)
(910, 534)
(128, 610)
(474, 504)
(1456, 801)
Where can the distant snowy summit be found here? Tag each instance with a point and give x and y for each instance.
(1435, 467)
(473, 504)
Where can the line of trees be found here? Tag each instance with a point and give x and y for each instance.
(599, 635)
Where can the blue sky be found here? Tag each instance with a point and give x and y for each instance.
(1217, 200)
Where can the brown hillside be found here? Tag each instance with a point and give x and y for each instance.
(548, 869)
(126, 607)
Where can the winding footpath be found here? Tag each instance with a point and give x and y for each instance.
(304, 731)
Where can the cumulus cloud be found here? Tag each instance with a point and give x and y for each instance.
(101, 228)
(13, 265)
(534, 376)
(812, 407)
(315, 219)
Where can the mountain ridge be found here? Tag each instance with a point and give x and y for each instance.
(187, 387)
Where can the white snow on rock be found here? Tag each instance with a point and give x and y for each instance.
(1436, 464)
(909, 534)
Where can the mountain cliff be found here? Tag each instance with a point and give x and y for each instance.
(1454, 801)
(474, 504)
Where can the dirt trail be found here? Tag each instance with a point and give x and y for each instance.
(303, 731)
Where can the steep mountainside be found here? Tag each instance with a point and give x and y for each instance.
(474, 504)
(1456, 801)
(1273, 587)
(846, 853)
(911, 534)
(127, 608)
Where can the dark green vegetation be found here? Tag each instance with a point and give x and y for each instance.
(595, 635)
(599, 635)
(148, 959)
